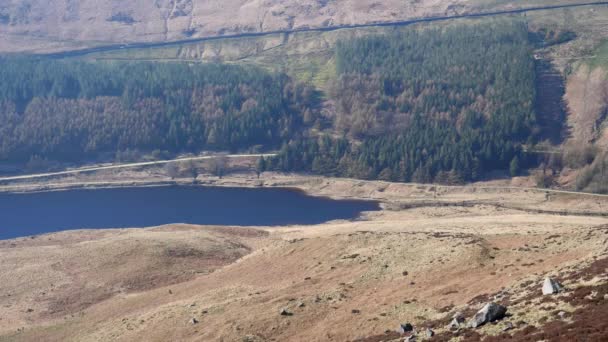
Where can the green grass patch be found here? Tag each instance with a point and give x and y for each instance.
(600, 54)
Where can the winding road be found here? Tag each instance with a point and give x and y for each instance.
(130, 165)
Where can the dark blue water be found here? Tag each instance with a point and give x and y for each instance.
(45, 212)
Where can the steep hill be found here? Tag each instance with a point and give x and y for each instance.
(51, 25)
(86, 22)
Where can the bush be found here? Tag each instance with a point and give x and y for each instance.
(544, 180)
(579, 156)
(594, 177)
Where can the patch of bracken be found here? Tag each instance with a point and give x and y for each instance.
(482, 298)
(446, 308)
(596, 268)
(526, 284)
(586, 323)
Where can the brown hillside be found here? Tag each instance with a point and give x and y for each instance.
(429, 253)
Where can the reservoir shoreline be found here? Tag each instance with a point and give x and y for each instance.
(35, 213)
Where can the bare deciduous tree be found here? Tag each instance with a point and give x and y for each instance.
(219, 165)
(172, 170)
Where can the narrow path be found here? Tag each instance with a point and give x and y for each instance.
(118, 47)
(515, 188)
(130, 165)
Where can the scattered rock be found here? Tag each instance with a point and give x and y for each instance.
(508, 326)
(301, 305)
(592, 295)
(454, 325)
(405, 273)
(457, 320)
(551, 286)
(352, 256)
(250, 338)
(411, 338)
(193, 321)
(285, 312)
(429, 333)
(489, 313)
(404, 328)
(355, 311)
(561, 314)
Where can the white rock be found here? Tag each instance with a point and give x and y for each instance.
(551, 286)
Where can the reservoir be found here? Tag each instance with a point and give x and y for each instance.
(44, 212)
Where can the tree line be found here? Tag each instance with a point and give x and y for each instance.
(426, 105)
(420, 104)
(69, 110)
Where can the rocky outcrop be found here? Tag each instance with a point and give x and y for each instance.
(405, 328)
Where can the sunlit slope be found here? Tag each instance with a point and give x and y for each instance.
(67, 24)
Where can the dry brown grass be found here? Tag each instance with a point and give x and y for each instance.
(60, 24)
(354, 279)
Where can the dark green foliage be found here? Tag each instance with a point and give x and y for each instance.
(514, 167)
(434, 105)
(70, 110)
(544, 37)
(260, 166)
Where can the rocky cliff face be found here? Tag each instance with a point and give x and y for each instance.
(46, 25)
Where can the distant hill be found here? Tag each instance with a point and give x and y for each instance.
(61, 24)
(54, 25)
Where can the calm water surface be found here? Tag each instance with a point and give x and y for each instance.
(38, 213)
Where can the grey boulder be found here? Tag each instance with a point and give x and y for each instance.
(457, 320)
(405, 328)
(489, 313)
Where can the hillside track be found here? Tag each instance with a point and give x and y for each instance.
(121, 47)
(126, 166)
